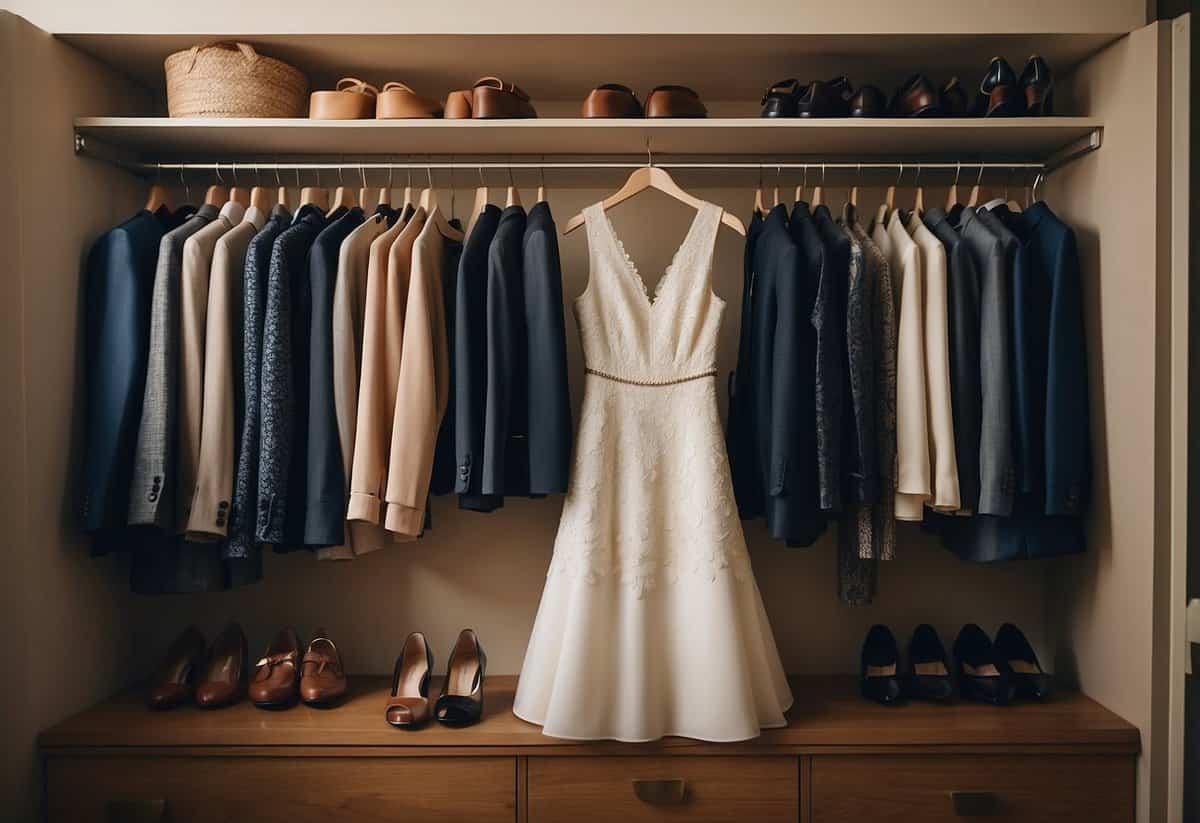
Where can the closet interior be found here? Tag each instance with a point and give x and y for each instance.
(90, 135)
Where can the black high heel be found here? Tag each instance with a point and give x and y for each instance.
(982, 674)
(1037, 83)
(880, 672)
(999, 92)
(1029, 679)
(928, 666)
(461, 700)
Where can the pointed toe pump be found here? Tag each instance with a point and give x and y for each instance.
(224, 677)
(175, 679)
(408, 704)
(461, 700)
(982, 674)
(1037, 83)
(880, 673)
(928, 667)
(1029, 679)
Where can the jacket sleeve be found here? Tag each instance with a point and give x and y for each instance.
(372, 413)
(912, 422)
(1068, 435)
(944, 464)
(503, 263)
(275, 399)
(963, 290)
(421, 395)
(996, 473)
(549, 397)
(830, 381)
(325, 509)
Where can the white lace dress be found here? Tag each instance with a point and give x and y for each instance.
(651, 623)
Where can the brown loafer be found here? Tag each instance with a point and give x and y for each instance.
(322, 676)
(225, 672)
(493, 99)
(917, 97)
(398, 102)
(408, 704)
(354, 99)
(612, 100)
(276, 680)
(674, 101)
(173, 682)
(458, 105)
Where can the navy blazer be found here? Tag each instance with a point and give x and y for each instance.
(739, 433)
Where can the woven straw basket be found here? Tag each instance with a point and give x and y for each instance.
(232, 80)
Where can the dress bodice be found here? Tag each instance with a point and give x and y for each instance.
(633, 336)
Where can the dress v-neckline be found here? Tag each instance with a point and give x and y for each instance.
(631, 268)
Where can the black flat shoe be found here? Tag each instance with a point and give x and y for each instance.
(880, 673)
(999, 92)
(461, 701)
(928, 667)
(982, 674)
(780, 99)
(1029, 679)
(1037, 84)
(868, 101)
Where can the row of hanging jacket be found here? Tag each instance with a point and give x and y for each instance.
(928, 366)
(257, 378)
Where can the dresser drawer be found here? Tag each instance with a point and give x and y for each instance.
(763, 789)
(280, 790)
(1029, 788)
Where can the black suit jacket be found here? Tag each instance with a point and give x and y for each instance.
(739, 431)
(549, 398)
(833, 379)
(324, 482)
(118, 281)
(470, 363)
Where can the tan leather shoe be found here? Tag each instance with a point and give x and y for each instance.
(458, 105)
(276, 680)
(224, 674)
(353, 99)
(612, 100)
(322, 676)
(398, 102)
(493, 99)
(172, 684)
(674, 101)
(408, 704)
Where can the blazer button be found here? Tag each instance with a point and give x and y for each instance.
(153, 496)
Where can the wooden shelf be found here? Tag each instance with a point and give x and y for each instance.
(828, 716)
(1013, 139)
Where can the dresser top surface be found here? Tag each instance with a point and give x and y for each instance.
(828, 715)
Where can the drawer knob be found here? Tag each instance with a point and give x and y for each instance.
(975, 804)
(661, 792)
(137, 811)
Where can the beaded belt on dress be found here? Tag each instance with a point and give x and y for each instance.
(688, 379)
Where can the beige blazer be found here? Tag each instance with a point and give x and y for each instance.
(383, 336)
(912, 422)
(193, 323)
(943, 462)
(349, 306)
(424, 386)
(209, 518)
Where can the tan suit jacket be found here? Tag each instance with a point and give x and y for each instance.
(383, 336)
(424, 387)
(209, 517)
(193, 323)
(349, 306)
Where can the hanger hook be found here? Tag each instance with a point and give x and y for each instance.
(1037, 181)
(979, 178)
(408, 168)
(482, 182)
(451, 171)
(957, 171)
(278, 182)
(217, 169)
(158, 171)
(649, 156)
(429, 175)
(362, 173)
(187, 190)
(822, 174)
(900, 175)
(542, 172)
(917, 178)
(391, 171)
(804, 183)
(511, 181)
(233, 168)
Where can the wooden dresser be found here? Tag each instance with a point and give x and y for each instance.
(840, 759)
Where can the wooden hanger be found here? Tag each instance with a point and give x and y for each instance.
(818, 195)
(952, 195)
(260, 198)
(343, 197)
(512, 197)
(282, 196)
(775, 190)
(1012, 204)
(314, 195)
(653, 177)
(433, 212)
(216, 196)
(919, 194)
(157, 198)
(481, 200)
(889, 195)
(976, 195)
(541, 189)
(800, 188)
(240, 195)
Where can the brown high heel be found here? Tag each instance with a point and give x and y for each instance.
(408, 704)
(224, 676)
(176, 678)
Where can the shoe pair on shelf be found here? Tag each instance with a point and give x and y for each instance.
(822, 98)
(284, 674)
(461, 700)
(987, 672)
(612, 100)
(1001, 94)
(211, 677)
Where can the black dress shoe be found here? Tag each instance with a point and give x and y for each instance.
(999, 92)
(868, 101)
(1037, 84)
(1029, 679)
(982, 674)
(954, 99)
(928, 667)
(822, 98)
(880, 673)
(780, 99)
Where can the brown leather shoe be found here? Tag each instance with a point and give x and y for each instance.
(458, 105)
(173, 682)
(612, 100)
(322, 676)
(674, 101)
(408, 704)
(398, 102)
(276, 681)
(493, 99)
(353, 99)
(917, 97)
(225, 672)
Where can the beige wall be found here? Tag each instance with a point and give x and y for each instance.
(67, 620)
(610, 17)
